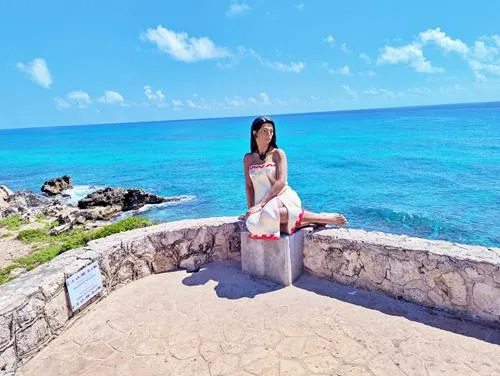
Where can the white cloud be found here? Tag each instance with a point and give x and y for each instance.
(111, 97)
(344, 49)
(315, 98)
(330, 40)
(410, 54)
(62, 104)
(419, 90)
(291, 67)
(371, 73)
(442, 40)
(365, 58)
(252, 100)
(183, 47)
(235, 102)
(383, 92)
(79, 98)
(295, 67)
(496, 38)
(482, 52)
(76, 98)
(351, 92)
(38, 71)
(190, 103)
(237, 9)
(157, 97)
(300, 6)
(345, 71)
(177, 103)
(264, 98)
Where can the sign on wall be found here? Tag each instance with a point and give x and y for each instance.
(84, 285)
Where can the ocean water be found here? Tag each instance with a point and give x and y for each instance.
(431, 172)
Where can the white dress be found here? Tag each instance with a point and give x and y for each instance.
(265, 224)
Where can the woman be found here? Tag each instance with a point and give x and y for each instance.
(273, 207)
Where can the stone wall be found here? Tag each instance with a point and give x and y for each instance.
(438, 274)
(454, 277)
(33, 307)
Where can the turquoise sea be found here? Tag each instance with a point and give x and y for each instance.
(431, 172)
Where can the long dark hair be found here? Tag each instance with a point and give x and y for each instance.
(256, 125)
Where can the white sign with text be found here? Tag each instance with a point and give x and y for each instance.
(84, 285)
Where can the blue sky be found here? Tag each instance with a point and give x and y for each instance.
(90, 62)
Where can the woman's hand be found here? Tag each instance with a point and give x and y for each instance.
(254, 209)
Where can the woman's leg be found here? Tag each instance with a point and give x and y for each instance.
(324, 218)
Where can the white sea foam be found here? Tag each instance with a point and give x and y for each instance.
(148, 207)
(78, 192)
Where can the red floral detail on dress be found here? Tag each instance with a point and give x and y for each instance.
(262, 165)
(265, 237)
(297, 222)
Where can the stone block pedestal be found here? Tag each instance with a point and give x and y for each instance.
(280, 260)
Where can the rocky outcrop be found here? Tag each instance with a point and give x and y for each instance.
(124, 199)
(4, 196)
(57, 185)
(23, 202)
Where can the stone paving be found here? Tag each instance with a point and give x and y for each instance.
(221, 322)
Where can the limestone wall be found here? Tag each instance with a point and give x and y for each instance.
(437, 274)
(455, 277)
(33, 307)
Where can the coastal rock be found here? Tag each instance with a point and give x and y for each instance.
(126, 199)
(5, 192)
(25, 202)
(57, 185)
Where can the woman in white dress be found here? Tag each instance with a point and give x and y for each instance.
(273, 206)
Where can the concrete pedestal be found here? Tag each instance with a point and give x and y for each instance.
(280, 260)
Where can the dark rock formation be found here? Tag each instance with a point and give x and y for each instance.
(56, 186)
(125, 199)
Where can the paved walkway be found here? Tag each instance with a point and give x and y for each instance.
(221, 322)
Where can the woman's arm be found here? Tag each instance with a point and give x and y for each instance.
(248, 182)
(281, 177)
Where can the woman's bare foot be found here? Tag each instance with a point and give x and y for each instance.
(335, 219)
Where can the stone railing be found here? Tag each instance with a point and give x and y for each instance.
(33, 307)
(456, 277)
(459, 278)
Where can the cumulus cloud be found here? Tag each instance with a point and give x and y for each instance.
(444, 41)
(157, 97)
(62, 104)
(365, 58)
(344, 71)
(182, 47)
(295, 67)
(351, 92)
(177, 103)
(111, 97)
(237, 9)
(330, 40)
(344, 49)
(384, 92)
(411, 54)
(38, 71)
(79, 98)
(76, 98)
(264, 97)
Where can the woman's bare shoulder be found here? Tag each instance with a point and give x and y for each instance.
(278, 154)
(248, 158)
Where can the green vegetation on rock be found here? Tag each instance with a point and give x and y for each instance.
(12, 222)
(63, 242)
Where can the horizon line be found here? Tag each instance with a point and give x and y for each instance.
(244, 116)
